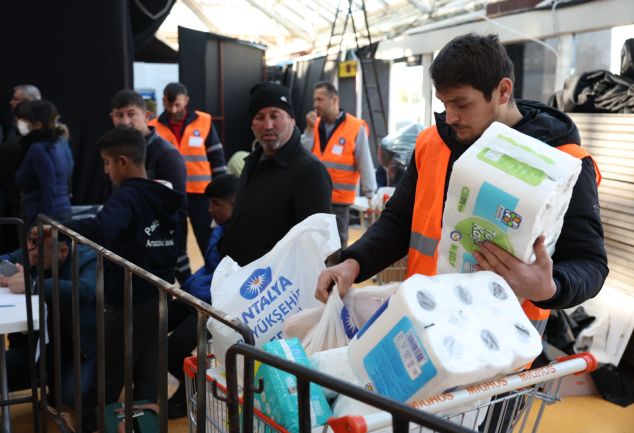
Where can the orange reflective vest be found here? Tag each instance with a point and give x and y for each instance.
(432, 159)
(338, 157)
(192, 147)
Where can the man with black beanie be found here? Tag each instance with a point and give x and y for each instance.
(281, 183)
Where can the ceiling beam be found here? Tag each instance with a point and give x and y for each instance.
(293, 29)
(197, 9)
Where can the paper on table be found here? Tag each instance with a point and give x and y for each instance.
(8, 298)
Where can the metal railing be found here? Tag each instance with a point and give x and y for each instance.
(20, 227)
(204, 311)
(402, 415)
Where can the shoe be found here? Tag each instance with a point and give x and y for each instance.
(177, 405)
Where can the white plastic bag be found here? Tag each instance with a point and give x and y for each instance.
(362, 302)
(323, 327)
(266, 291)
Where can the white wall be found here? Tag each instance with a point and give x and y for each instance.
(155, 76)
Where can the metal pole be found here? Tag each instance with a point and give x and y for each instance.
(303, 404)
(128, 352)
(43, 328)
(101, 352)
(57, 344)
(76, 334)
(28, 289)
(6, 413)
(162, 354)
(201, 369)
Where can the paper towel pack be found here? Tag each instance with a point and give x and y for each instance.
(507, 188)
(436, 333)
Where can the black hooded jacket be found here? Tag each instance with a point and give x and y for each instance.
(580, 260)
(137, 223)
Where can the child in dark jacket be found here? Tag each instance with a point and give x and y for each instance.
(182, 318)
(137, 223)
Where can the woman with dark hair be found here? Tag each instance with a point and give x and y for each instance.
(47, 162)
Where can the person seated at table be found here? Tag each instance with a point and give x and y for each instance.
(18, 353)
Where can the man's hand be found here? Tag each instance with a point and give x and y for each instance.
(533, 281)
(311, 118)
(15, 282)
(342, 274)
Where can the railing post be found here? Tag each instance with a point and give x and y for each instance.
(57, 344)
(201, 388)
(101, 352)
(128, 351)
(76, 334)
(43, 325)
(162, 353)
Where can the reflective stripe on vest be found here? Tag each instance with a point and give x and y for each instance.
(432, 159)
(192, 147)
(338, 158)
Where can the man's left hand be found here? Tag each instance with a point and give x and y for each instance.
(15, 282)
(533, 281)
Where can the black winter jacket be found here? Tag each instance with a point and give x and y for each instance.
(137, 223)
(580, 260)
(274, 195)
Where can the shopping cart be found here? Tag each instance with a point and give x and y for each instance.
(499, 405)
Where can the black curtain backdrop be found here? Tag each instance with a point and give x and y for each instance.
(79, 54)
(219, 72)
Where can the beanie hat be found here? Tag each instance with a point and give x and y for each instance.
(269, 94)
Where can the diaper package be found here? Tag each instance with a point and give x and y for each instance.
(279, 398)
(507, 188)
(436, 333)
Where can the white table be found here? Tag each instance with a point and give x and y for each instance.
(12, 319)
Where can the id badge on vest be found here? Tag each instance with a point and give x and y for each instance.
(195, 141)
(337, 149)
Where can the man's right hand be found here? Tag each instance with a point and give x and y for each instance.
(342, 274)
(311, 118)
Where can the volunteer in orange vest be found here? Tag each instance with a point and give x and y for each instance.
(473, 77)
(340, 141)
(193, 134)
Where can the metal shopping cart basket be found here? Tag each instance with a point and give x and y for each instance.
(501, 405)
(216, 397)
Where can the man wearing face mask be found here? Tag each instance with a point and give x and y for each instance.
(281, 183)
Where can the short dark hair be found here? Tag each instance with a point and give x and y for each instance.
(125, 98)
(42, 111)
(330, 88)
(479, 61)
(123, 141)
(223, 187)
(172, 90)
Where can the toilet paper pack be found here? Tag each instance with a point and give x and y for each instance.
(334, 362)
(436, 333)
(507, 188)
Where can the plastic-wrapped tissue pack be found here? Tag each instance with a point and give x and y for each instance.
(436, 333)
(507, 188)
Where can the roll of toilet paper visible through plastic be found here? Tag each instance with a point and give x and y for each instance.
(436, 333)
(507, 188)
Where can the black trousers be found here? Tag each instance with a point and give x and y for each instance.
(144, 358)
(182, 340)
(198, 206)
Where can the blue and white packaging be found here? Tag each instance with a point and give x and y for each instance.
(265, 292)
(436, 333)
(507, 188)
(278, 400)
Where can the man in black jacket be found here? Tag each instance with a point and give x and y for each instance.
(473, 77)
(162, 162)
(281, 184)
